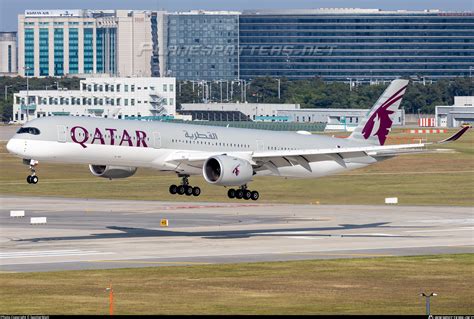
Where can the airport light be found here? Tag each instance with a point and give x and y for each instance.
(428, 297)
(111, 299)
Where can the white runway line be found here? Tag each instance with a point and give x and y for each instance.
(50, 253)
(440, 230)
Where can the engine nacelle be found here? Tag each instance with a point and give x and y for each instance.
(111, 172)
(227, 171)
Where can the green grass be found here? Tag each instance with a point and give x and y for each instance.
(424, 179)
(388, 285)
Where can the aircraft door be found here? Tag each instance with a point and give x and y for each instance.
(260, 146)
(61, 133)
(156, 140)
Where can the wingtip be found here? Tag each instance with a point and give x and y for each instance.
(456, 136)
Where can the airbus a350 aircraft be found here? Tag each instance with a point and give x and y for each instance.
(224, 156)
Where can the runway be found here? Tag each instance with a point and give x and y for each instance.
(101, 234)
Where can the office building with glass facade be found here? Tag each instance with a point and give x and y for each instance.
(333, 44)
(84, 42)
(202, 45)
(358, 44)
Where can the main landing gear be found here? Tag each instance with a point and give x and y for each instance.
(32, 179)
(185, 188)
(243, 192)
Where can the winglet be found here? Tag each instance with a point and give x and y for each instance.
(455, 136)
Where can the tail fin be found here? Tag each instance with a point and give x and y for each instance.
(375, 127)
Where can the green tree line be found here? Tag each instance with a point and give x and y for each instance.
(315, 93)
(311, 93)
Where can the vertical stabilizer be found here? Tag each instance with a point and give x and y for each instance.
(375, 127)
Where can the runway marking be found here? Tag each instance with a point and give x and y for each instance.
(306, 237)
(438, 230)
(340, 254)
(448, 221)
(50, 253)
(149, 262)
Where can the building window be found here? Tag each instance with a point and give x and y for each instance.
(165, 87)
(58, 51)
(88, 50)
(126, 87)
(29, 51)
(73, 51)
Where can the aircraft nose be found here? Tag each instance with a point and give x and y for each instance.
(13, 146)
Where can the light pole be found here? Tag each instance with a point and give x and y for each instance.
(427, 297)
(6, 90)
(278, 88)
(27, 68)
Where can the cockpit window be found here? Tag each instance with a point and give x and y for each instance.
(29, 130)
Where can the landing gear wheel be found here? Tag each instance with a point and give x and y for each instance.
(231, 193)
(180, 190)
(28, 179)
(34, 179)
(255, 195)
(196, 191)
(188, 190)
(173, 189)
(239, 194)
(247, 194)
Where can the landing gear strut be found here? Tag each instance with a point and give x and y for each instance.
(185, 188)
(32, 179)
(243, 192)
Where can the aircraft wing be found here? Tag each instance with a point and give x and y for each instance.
(274, 159)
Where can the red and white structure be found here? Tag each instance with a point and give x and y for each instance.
(426, 131)
(427, 122)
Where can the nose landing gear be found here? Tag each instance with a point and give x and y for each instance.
(243, 193)
(31, 179)
(185, 188)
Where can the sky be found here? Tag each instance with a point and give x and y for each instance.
(9, 9)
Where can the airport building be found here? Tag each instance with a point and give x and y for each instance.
(236, 111)
(84, 43)
(8, 55)
(202, 45)
(455, 115)
(357, 44)
(118, 98)
(333, 44)
(335, 119)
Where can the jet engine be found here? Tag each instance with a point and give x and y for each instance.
(111, 172)
(227, 171)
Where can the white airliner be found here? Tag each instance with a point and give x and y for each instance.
(224, 156)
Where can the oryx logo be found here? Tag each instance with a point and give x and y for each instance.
(380, 122)
(236, 170)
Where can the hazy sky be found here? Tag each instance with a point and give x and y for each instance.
(9, 9)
